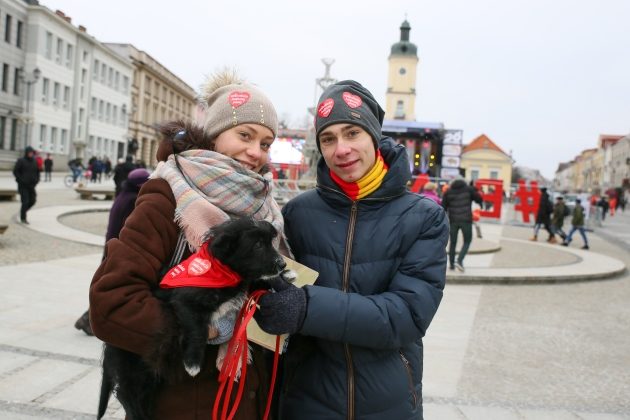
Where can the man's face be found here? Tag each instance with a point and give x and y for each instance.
(348, 150)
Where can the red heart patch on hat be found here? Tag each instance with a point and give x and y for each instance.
(199, 266)
(352, 100)
(325, 108)
(237, 98)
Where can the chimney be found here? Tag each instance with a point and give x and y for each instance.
(60, 13)
(82, 28)
(68, 19)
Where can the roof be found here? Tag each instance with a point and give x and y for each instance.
(402, 126)
(482, 142)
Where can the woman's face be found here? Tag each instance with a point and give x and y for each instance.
(248, 144)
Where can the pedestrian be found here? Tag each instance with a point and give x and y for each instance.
(604, 206)
(560, 211)
(429, 192)
(577, 224)
(40, 161)
(543, 216)
(379, 249)
(48, 167)
(121, 171)
(26, 175)
(107, 167)
(205, 176)
(121, 209)
(457, 201)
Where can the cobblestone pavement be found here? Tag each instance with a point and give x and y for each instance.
(549, 351)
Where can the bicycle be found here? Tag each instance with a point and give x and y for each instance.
(81, 178)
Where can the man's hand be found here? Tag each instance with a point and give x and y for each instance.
(282, 310)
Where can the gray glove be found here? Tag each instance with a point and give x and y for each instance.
(225, 327)
(282, 310)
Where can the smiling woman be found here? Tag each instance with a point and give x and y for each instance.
(206, 175)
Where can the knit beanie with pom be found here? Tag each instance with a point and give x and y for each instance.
(228, 101)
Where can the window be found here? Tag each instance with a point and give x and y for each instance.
(7, 28)
(53, 139)
(3, 124)
(110, 78)
(42, 136)
(399, 114)
(114, 115)
(18, 39)
(86, 55)
(56, 93)
(494, 173)
(101, 109)
(49, 42)
(103, 72)
(117, 80)
(16, 82)
(83, 79)
(95, 72)
(14, 123)
(64, 139)
(66, 97)
(69, 53)
(125, 84)
(59, 50)
(80, 123)
(91, 143)
(474, 174)
(45, 90)
(93, 108)
(5, 77)
(108, 112)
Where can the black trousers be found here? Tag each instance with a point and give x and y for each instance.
(28, 196)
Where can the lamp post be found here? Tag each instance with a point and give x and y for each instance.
(28, 80)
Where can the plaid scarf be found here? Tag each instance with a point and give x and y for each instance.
(211, 188)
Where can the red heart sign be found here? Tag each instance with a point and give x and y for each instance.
(237, 98)
(325, 108)
(353, 101)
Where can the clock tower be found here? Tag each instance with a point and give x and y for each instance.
(401, 82)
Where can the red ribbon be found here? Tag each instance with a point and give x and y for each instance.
(237, 351)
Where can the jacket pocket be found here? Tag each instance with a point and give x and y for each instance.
(412, 388)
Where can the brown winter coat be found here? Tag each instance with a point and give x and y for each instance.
(124, 312)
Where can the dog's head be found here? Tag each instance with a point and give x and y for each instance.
(245, 245)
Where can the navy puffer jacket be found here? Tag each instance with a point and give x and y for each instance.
(381, 263)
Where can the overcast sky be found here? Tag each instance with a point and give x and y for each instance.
(541, 78)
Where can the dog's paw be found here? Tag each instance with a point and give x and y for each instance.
(288, 276)
(193, 370)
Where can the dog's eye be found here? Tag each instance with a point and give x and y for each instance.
(258, 245)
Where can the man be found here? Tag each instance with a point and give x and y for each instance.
(27, 177)
(48, 166)
(121, 171)
(560, 211)
(577, 222)
(457, 202)
(380, 253)
(545, 208)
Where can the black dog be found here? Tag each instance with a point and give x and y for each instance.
(245, 246)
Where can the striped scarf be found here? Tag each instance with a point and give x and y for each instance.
(211, 188)
(367, 184)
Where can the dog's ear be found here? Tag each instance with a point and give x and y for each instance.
(223, 243)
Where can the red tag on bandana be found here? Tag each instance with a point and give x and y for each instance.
(201, 269)
(237, 98)
(325, 108)
(353, 101)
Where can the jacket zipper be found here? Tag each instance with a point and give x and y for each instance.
(412, 389)
(345, 288)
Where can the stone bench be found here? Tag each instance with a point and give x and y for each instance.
(8, 194)
(89, 193)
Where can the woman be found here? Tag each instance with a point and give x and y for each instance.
(205, 176)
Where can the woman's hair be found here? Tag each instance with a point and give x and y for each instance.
(430, 186)
(179, 136)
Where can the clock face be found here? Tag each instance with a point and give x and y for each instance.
(402, 70)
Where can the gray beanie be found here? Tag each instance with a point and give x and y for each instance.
(349, 102)
(228, 102)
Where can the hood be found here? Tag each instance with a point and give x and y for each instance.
(27, 150)
(458, 184)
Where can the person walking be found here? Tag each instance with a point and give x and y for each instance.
(26, 175)
(48, 167)
(545, 208)
(577, 224)
(379, 249)
(121, 208)
(121, 171)
(457, 201)
(205, 176)
(560, 211)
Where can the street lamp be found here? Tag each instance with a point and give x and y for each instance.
(28, 80)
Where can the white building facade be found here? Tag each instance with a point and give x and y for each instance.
(13, 16)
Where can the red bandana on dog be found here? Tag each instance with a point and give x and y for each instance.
(201, 269)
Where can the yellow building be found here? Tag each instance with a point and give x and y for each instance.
(483, 159)
(401, 80)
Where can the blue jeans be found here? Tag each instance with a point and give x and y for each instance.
(466, 229)
(579, 229)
